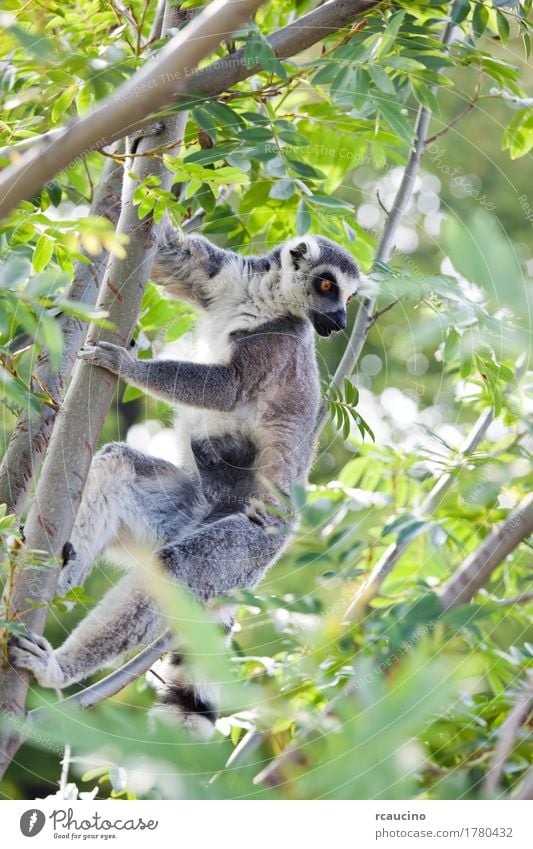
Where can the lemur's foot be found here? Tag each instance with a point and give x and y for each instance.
(35, 654)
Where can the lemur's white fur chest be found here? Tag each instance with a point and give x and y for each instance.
(211, 343)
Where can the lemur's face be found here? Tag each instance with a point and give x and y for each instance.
(320, 278)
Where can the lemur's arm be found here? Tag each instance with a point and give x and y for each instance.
(214, 387)
(184, 267)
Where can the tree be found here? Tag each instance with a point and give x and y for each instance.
(269, 145)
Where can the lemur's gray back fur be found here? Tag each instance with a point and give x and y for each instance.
(247, 397)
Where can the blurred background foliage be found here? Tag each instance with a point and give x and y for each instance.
(408, 701)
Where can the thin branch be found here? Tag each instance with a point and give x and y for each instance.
(522, 598)
(166, 81)
(116, 680)
(507, 735)
(80, 419)
(372, 585)
(468, 108)
(378, 313)
(386, 245)
(498, 545)
(526, 791)
(157, 23)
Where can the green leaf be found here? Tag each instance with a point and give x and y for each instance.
(394, 117)
(42, 253)
(255, 197)
(61, 105)
(205, 121)
(381, 79)
(426, 97)
(14, 272)
(330, 202)
(55, 192)
(460, 11)
(303, 218)
(305, 170)
(480, 19)
(391, 33)
(178, 328)
(131, 393)
(518, 135)
(84, 98)
(50, 331)
(282, 189)
(503, 26)
(225, 115)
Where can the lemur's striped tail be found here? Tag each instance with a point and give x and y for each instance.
(181, 701)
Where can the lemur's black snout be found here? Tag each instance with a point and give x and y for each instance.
(326, 323)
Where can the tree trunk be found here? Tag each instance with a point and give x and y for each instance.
(22, 460)
(80, 420)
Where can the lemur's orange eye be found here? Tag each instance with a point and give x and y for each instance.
(326, 285)
(349, 298)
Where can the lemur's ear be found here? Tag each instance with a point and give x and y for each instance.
(298, 252)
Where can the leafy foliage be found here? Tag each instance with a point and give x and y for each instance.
(385, 707)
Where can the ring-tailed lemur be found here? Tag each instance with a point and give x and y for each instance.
(248, 401)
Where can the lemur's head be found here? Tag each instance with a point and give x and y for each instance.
(319, 278)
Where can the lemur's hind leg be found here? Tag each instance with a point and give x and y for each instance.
(222, 555)
(125, 619)
(225, 554)
(128, 496)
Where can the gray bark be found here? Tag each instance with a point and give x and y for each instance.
(477, 569)
(80, 420)
(21, 462)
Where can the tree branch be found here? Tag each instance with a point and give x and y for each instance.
(89, 396)
(150, 89)
(507, 735)
(31, 436)
(478, 568)
(164, 82)
(372, 585)
(80, 420)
